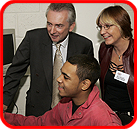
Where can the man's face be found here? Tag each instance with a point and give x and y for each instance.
(68, 81)
(58, 26)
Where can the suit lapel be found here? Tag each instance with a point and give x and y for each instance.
(46, 54)
(47, 61)
(72, 49)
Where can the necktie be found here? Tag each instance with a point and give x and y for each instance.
(56, 73)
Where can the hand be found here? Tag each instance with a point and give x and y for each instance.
(5, 107)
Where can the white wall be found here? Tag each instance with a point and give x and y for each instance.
(23, 17)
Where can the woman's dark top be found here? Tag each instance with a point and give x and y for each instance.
(116, 94)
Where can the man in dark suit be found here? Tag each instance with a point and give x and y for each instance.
(37, 50)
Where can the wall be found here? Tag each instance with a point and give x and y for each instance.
(23, 17)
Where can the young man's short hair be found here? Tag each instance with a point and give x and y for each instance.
(87, 67)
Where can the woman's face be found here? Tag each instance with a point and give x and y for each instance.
(110, 33)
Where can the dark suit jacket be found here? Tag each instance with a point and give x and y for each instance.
(36, 51)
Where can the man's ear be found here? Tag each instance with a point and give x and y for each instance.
(72, 27)
(86, 84)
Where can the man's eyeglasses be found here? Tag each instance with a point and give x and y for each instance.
(106, 27)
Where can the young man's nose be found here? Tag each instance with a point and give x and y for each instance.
(59, 79)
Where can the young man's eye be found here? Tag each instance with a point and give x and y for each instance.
(65, 77)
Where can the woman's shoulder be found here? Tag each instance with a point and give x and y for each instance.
(104, 48)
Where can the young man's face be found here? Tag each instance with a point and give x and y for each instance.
(57, 25)
(68, 81)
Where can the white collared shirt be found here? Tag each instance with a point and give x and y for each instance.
(63, 49)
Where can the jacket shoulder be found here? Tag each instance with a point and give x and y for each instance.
(37, 30)
(79, 37)
(103, 50)
(104, 47)
(39, 33)
(103, 114)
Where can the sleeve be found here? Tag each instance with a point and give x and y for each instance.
(20, 120)
(16, 71)
(107, 118)
(50, 118)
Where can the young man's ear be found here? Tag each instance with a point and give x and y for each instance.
(86, 84)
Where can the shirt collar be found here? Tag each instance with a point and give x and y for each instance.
(92, 98)
(64, 43)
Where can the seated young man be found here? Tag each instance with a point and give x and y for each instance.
(81, 105)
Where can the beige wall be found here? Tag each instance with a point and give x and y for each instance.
(23, 17)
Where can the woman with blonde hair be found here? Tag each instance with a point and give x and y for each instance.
(116, 57)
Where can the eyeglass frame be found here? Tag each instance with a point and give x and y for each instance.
(106, 27)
